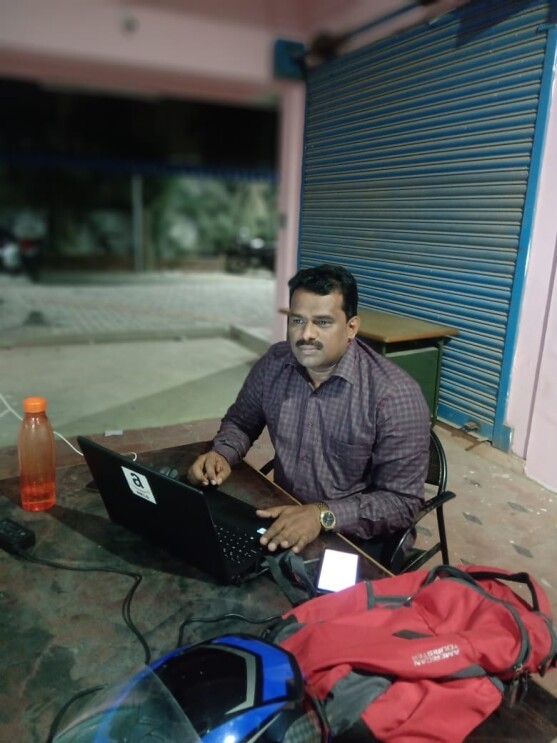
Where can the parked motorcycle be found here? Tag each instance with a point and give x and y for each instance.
(30, 249)
(30, 231)
(250, 253)
(10, 256)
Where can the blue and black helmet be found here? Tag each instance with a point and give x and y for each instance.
(231, 689)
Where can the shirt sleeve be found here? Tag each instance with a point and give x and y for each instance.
(399, 463)
(244, 420)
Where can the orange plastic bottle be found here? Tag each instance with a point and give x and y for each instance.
(37, 457)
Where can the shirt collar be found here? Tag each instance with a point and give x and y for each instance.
(346, 367)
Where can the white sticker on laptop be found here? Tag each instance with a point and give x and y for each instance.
(139, 485)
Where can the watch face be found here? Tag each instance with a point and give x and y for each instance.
(328, 519)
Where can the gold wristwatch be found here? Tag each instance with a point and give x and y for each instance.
(326, 516)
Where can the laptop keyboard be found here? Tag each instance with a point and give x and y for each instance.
(237, 545)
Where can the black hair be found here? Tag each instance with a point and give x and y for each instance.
(325, 279)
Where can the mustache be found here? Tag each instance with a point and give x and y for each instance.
(305, 344)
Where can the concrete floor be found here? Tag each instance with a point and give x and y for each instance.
(120, 386)
(130, 350)
(499, 518)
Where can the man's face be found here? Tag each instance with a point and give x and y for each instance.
(318, 330)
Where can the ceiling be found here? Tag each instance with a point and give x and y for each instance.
(173, 69)
(304, 18)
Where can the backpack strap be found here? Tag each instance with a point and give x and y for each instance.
(290, 574)
(522, 578)
(471, 576)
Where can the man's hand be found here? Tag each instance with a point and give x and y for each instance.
(295, 526)
(209, 469)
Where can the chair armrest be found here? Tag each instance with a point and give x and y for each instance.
(430, 505)
(433, 504)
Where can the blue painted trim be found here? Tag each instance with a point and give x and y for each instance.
(500, 431)
(288, 60)
(505, 437)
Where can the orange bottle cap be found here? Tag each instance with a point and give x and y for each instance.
(34, 405)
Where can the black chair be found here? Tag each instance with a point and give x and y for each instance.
(401, 561)
(391, 552)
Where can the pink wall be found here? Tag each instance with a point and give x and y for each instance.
(541, 445)
(69, 39)
(532, 407)
(222, 49)
(291, 150)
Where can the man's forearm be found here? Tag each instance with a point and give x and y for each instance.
(376, 513)
(231, 442)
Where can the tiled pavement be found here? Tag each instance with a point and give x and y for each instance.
(77, 308)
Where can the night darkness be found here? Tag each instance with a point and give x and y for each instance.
(78, 125)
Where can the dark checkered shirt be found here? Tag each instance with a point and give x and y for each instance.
(359, 442)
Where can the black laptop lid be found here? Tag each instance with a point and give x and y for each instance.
(172, 514)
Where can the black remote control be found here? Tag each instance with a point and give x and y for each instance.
(14, 537)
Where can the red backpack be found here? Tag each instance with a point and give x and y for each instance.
(421, 656)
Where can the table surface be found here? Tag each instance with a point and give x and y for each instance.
(65, 627)
(63, 630)
(385, 327)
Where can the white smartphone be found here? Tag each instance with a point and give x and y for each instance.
(338, 570)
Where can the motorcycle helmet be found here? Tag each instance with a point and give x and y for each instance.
(231, 689)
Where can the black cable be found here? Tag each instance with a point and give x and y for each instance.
(126, 606)
(231, 615)
(62, 712)
(126, 615)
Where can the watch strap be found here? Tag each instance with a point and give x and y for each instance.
(324, 508)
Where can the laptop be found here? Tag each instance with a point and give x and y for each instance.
(207, 528)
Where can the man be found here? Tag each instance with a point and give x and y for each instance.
(350, 429)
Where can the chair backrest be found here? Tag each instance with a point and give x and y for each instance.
(437, 476)
(399, 561)
(437, 470)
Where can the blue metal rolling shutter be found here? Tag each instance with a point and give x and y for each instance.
(417, 158)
